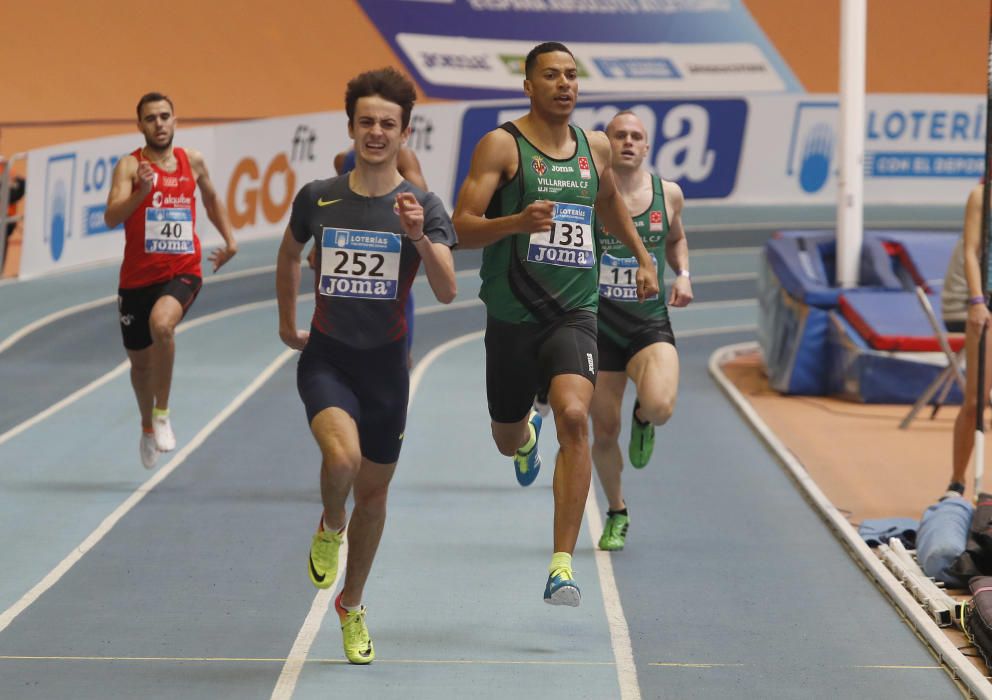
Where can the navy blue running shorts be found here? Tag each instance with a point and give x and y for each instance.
(372, 385)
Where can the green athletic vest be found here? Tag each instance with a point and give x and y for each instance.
(620, 316)
(536, 278)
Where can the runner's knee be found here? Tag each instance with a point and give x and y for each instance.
(657, 411)
(162, 330)
(606, 430)
(572, 422)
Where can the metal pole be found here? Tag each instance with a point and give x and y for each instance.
(850, 186)
(4, 203)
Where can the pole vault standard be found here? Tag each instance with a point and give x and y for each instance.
(979, 452)
(851, 146)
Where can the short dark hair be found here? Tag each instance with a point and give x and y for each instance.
(546, 47)
(621, 113)
(387, 83)
(153, 97)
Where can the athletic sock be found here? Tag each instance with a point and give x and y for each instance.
(327, 528)
(560, 560)
(160, 413)
(529, 445)
(956, 486)
(622, 511)
(637, 405)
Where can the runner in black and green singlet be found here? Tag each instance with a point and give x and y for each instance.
(635, 339)
(529, 200)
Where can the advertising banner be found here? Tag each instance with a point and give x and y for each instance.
(757, 150)
(475, 49)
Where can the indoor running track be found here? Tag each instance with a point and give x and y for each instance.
(190, 581)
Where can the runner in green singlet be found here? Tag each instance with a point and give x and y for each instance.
(635, 340)
(528, 200)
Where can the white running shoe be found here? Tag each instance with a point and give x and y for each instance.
(165, 439)
(149, 452)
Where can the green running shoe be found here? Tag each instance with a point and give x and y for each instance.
(614, 532)
(641, 440)
(357, 643)
(324, 557)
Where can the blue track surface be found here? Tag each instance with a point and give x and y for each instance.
(730, 585)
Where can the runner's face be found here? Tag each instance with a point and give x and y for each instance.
(158, 124)
(553, 85)
(377, 130)
(628, 142)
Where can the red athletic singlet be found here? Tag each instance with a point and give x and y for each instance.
(160, 240)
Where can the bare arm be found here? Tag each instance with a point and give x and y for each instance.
(978, 314)
(409, 167)
(494, 161)
(438, 262)
(125, 196)
(287, 284)
(677, 247)
(216, 211)
(611, 209)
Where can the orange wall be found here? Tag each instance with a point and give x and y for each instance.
(259, 58)
(913, 45)
(231, 59)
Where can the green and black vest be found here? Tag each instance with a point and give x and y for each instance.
(620, 314)
(536, 278)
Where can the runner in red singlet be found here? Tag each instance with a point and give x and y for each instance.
(154, 195)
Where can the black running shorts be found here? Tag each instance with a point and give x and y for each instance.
(134, 307)
(614, 357)
(372, 385)
(522, 358)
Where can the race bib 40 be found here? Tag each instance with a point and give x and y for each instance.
(169, 231)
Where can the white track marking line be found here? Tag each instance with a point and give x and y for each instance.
(300, 650)
(122, 367)
(623, 650)
(290, 674)
(108, 523)
(86, 306)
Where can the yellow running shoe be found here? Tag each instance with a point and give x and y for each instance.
(324, 556)
(357, 643)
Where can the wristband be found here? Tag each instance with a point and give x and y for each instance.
(414, 240)
(974, 301)
(683, 273)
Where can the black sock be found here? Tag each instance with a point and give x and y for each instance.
(623, 511)
(637, 405)
(956, 486)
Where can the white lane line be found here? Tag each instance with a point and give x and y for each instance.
(122, 367)
(86, 306)
(623, 650)
(108, 523)
(290, 674)
(315, 660)
(300, 650)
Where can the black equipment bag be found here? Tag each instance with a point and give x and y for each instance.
(976, 560)
(978, 616)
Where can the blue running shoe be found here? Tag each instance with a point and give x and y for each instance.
(562, 589)
(528, 464)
